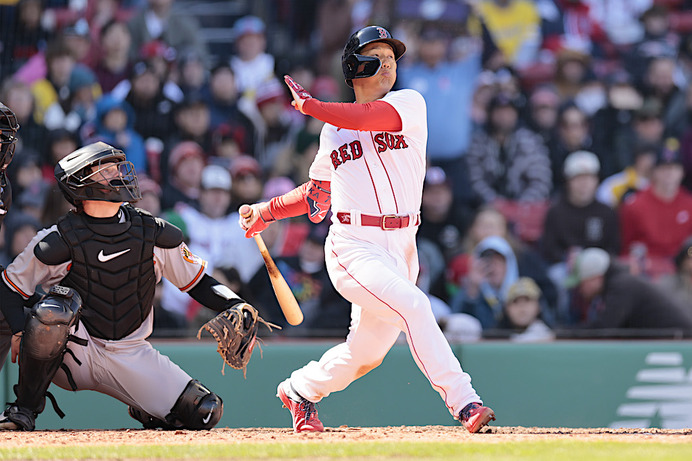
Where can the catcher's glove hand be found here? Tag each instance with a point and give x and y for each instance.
(235, 331)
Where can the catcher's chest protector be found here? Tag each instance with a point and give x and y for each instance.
(113, 270)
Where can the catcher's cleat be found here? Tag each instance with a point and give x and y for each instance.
(475, 416)
(148, 421)
(303, 411)
(16, 418)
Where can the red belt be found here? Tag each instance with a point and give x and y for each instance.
(384, 222)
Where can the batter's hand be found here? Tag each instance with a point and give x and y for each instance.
(250, 219)
(300, 95)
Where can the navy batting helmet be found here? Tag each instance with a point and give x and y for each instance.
(8, 135)
(356, 65)
(82, 175)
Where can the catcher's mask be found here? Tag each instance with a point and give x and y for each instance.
(8, 136)
(356, 65)
(97, 172)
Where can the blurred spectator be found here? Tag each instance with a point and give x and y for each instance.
(572, 135)
(276, 126)
(660, 216)
(185, 164)
(514, 26)
(251, 64)
(492, 269)
(114, 125)
(679, 283)
(192, 123)
(444, 220)
(620, 19)
(326, 312)
(506, 160)
(616, 188)
(658, 41)
(226, 142)
(20, 228)
(151, 195)
(447, 86)
(574, 26)
(144, 92)
(227, 107)
(60, 144)
(577, 219)
(647, 124)
(162, 59)
(305, 149)
(56, 90)
(431, 277)
(113, 65)
(17, 96)
(488, 222)
(659, 84)
(22, 37)
(522, 314)
(214, 232)
(572, 73)
(81, 107)
(160, 20)
(543, 110)
(247, 181)
(618, 299)
(193, 73)
(78, 40)
(612, 124)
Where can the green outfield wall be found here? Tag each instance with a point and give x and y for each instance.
(564, 384)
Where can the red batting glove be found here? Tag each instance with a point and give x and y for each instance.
(296, 88)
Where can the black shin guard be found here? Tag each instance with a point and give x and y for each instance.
(196, 408)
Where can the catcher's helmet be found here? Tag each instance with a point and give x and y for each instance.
(8, 135)
(97, 172)
(355, 65)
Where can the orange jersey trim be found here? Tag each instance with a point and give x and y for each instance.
(194, 280)
(13, 285)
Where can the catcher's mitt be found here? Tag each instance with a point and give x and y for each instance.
(235, 331)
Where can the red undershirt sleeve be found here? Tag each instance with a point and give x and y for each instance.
(371, 116)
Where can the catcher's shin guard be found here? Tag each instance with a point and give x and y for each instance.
(44, 344)
(196, 408)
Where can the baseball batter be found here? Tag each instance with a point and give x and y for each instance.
(90, 331)
(370, 165)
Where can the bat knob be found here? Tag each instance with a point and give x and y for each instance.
(245, 211)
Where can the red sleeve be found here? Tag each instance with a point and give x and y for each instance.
(371, 116)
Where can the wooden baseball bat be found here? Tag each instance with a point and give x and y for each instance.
(283, 292)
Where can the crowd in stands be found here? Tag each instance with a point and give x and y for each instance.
(558, 195)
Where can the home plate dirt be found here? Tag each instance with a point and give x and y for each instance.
(491, 434)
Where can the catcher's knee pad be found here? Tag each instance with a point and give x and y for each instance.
(196, 408)
(48, 326)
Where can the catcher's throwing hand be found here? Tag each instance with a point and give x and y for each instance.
(235, 331)
(300, 95)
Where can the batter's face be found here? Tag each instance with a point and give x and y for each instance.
(384, 79)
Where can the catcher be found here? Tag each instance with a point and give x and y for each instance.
(89, 332)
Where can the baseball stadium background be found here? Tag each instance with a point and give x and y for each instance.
(568, 382)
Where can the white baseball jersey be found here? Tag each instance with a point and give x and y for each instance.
(129, 369)
(380, 173)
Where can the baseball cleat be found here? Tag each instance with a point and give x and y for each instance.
(16, 418)
(303, 411)
(475, 416)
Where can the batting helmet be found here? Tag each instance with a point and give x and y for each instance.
(356, 65)
(82, 176)
(8, 135)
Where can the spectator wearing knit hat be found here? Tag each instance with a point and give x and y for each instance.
(251, 64)
(185, 163)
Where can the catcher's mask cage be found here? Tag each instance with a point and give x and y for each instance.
(8, 135)
(356, 65)
(97, 172)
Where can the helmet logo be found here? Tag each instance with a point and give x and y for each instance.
(383, 32)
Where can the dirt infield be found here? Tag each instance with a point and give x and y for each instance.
(337, 434)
